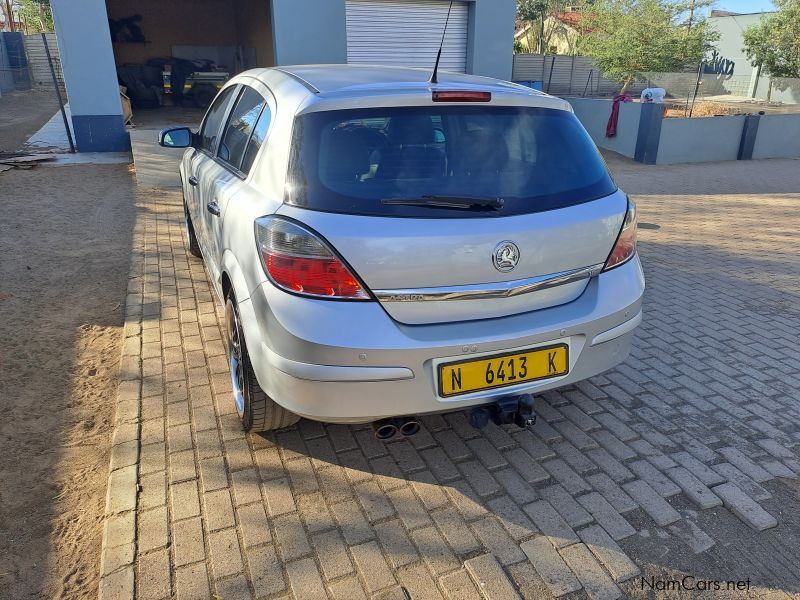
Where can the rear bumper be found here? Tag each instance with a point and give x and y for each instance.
(350, 362)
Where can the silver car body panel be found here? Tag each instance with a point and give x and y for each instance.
(357, 361)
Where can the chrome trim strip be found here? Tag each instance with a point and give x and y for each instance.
(484, 291)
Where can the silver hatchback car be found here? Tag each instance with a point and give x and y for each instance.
(388, 247)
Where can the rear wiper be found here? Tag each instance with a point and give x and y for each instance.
(463, 202)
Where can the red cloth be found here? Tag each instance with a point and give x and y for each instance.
(611, 128)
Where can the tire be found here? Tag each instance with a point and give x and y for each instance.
(257, 411)
(191, 239)
(204, 95)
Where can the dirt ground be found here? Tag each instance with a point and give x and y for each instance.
(22, 114)
(65, 236)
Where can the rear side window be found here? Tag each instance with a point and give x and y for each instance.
(257, 139)
(240, 125)
(213, 121)
(535, 159)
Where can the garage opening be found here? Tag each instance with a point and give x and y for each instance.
(177, 54)
(406, 33)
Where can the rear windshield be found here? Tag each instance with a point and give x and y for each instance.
(352, 161)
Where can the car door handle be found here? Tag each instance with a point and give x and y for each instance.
(213, 208)
(193, 180)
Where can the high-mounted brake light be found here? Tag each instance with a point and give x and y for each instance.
(461, 96)
(625, 247)
(298, 261)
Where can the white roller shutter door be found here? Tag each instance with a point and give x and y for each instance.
(406, 33)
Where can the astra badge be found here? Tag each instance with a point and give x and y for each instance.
(505, 256)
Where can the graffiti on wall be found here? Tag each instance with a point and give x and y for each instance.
(719, 65)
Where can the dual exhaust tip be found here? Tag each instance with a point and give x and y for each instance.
(387, 428)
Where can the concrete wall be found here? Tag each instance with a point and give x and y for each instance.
(778, 136)
(309, 31)
(315, 31)
(699, 140)
(730, 47)
(594, 113)
(6, 77)
(87, 60)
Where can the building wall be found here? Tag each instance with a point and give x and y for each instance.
(594, 114)
(699, 139)
(254, 29)
(778, 137)
(314, 31)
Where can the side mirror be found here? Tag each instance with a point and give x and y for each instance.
(177, 137)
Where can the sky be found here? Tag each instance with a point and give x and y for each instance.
(744, 6)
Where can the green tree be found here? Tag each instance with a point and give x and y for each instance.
(35, 14)
(628, 38)
(535, 13)
(774, 42)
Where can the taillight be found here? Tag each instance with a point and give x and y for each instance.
(625, 247)
(461, 96)
(296, 260)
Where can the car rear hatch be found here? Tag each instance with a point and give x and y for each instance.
(452, 213)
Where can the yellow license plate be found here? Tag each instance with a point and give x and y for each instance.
(501, 370)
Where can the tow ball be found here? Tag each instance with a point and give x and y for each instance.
(512, 409)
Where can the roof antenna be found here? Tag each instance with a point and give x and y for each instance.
(434, 78)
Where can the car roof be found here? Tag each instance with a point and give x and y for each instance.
(340, 82)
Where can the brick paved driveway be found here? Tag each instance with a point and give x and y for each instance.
(681, 461)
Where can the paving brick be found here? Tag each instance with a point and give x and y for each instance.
(574, 514)
(347, 589)
(352, 522)
(458, 586)
(487, 453)
(551, 524)
(616, 497)
(431, 494)
(608, 552)
(455, 531)
(396, 544)
(187, 542)
(563, 473)
(185, 501)
(597, 584)
(572, 433)
(408, 459)
(694, 488)
(744, 507)
(315, 513)
(218, 510)
(191, 582)
(226, 557)
(153, 580)
(497, 541)
(440, 464)
(479, 478)
(434, 550)
(615, 469)
(730, 473)
(291, 537)
(490, 578)
(534, 446)
(305, 581)
(655, 478)
(452, 445)
(372, 566)
(516, 523)
(373, 501)
(279, 497)
(246, 487)
(745, 465)
(605, 515)
(153, 529)
(253, 525)
(617, 427)
(704, 473)
(265, 571)
(516, 486)
(408, 507)
(526, 466)
(614, 445)
(652, 503)
(574, 457)
(551, 567)
(332, 554)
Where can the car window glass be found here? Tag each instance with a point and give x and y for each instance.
(257, 139)
(240, 126)
(213, 120)
(352, 160)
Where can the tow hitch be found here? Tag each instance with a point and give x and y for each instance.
(513, 409)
